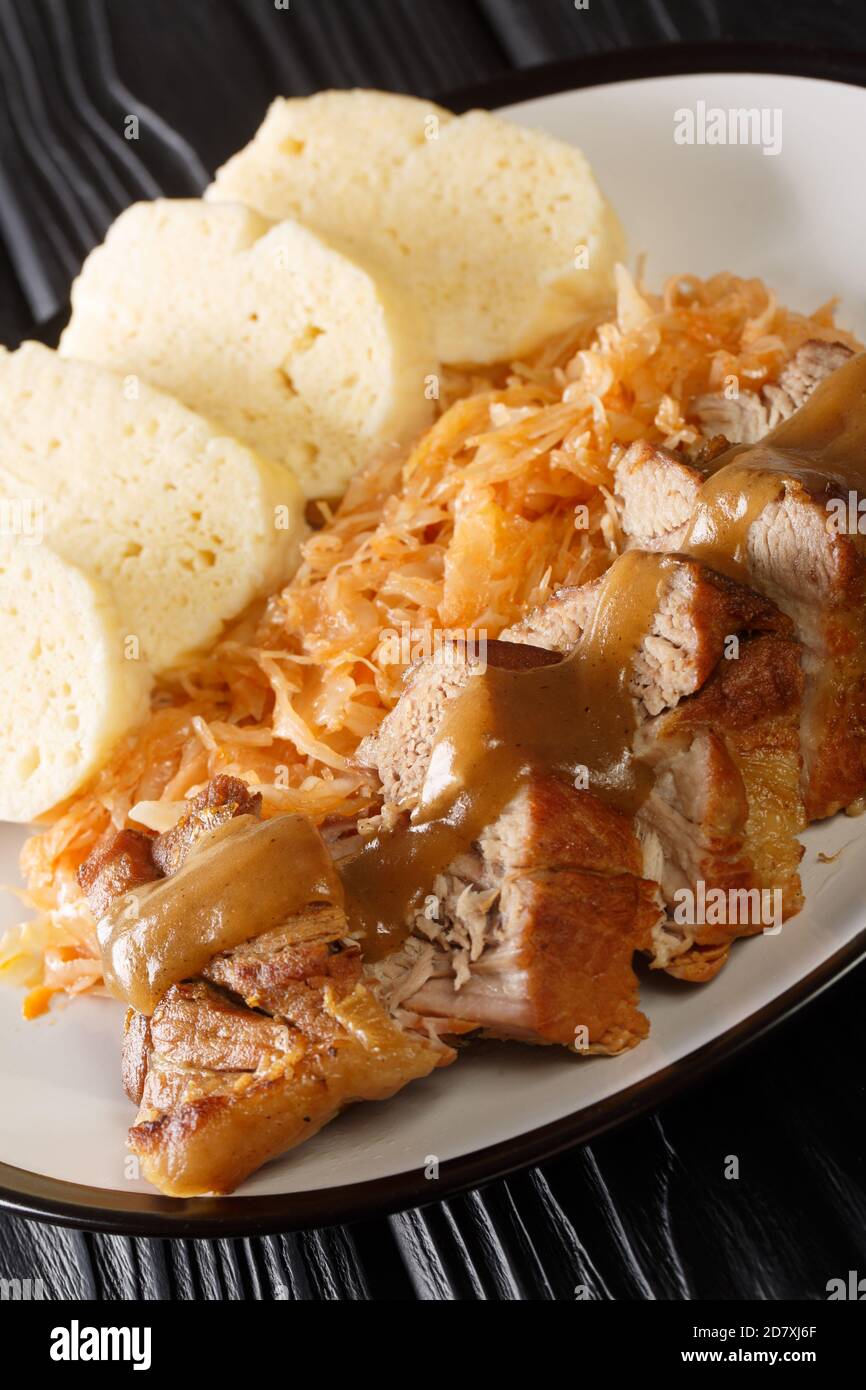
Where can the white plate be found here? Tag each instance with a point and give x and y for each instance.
(795, 219)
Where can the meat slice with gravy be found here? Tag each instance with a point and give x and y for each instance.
(529, 928)
(718, 684)
(217, 1105)
(267, 1040)
(778, 515)
(223, 799)
(532, 933)
(549, 806)
(748, 416)
(715, 687)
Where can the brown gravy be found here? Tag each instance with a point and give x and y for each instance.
(240, 881)
(577, 713)
(822, 446)
(524, 714)
(528, 712)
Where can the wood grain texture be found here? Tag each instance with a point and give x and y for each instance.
(645, 1213)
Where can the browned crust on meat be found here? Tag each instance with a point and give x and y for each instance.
(569, 828)
(124, 863)
(725, 608)
(720, 607)
(130, 858)
(194, 1025)
(837, 777)
(584, 911)
(760, 681)
(700, 964)
(209, 1143)
(135, 1054)
(707, 451)
(581, 930)
(220, 801)
(753, 703)
(291, 982)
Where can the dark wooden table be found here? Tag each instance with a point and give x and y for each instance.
(646, 1212)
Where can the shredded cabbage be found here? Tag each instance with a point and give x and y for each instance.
(505, 498)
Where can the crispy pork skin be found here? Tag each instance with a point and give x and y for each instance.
(129, 858)
(222, 800)
(244, 1065)
(194, 1025)
(268, 1045)
(135, 1054)
(122, 863)
(205, 1129)
(532, 935)
(286, 977)
(725, 806)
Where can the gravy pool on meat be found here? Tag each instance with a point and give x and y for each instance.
(822, 446)
(553, 716)
(528, 711)
(241, 880)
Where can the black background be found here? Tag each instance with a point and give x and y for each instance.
(645, 1213)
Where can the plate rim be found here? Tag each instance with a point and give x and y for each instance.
(108, 1210)
(141, 1214)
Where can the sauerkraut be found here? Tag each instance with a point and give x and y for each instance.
(505, 498)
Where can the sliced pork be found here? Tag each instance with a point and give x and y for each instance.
(532, 933)
(717, 684)
(751, 414)
(789, 550)
(268, 1044)
(656, 491)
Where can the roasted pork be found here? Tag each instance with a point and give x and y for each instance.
(716, 685)
(228, 1087)
(748, 416)
(223, 799)
(268, 1043)
(789, 550)
(719, 688)
(532, 933)
(123, 862)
